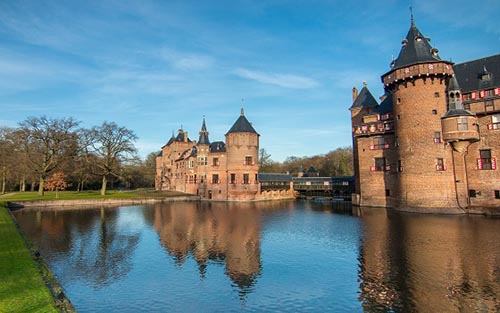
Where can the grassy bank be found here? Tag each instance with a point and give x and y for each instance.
(22, 288)
(73, 195)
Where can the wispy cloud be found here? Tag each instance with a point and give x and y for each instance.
(187, 61)
(282, 80)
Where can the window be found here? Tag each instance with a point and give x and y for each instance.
(256, 178)
(203, 178)
(191, 163)
(233, 178)
(399, 101)
(437, 137)
(387, 193)
(202, 160)
(400, 166)
(398, 117)
(379, 143)
(248, 160)
(379, 165)
(485, 161)
(434, 112)
(495, 122)
(246, 179)
(462, 123)
(436, 95)
(467, 106)
(490, 93)
(472, 193)
(488, 104)
(215, 179)
(440, 165)
(497, 194)
(215, 162)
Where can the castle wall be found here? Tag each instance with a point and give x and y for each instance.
(419, 104)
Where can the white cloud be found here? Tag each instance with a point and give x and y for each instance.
(282, 80)
(187, 61)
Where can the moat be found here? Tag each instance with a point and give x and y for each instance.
(268, 256)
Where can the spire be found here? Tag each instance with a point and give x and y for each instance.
(454, 97)
(412, 20)
(203, 140)
(415, 48)
(242, 112)
(364, 99)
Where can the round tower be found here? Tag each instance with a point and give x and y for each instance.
(242, 146)
(417, 80)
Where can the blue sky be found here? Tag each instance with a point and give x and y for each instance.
(153, 66)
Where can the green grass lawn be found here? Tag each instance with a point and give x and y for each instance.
(94, 194)
(21, 286)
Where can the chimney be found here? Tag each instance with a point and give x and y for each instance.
(354, 93)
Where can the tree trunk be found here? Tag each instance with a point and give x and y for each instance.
(78, 186)
(4, 180)
(22, 185)
(32, 189)
(40, 187)
(103, 187)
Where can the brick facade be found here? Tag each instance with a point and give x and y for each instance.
(226, 171)
(430, 146)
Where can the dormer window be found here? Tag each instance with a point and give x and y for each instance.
(486, 76)
(418, 39)
(404, 42)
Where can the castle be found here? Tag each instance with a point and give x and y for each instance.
(431, 144)
(219, 170)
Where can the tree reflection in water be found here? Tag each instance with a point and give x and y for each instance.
(100, 253)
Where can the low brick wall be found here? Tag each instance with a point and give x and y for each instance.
(94, 202)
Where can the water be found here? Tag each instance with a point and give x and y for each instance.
(269, 256)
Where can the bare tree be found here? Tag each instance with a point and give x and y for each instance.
(111, 145)
(48, 142)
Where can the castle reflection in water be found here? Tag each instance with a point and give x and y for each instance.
(405, 262)
(228, 232)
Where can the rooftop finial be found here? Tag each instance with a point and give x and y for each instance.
(365, 84)
(242, 112)
(411, 15)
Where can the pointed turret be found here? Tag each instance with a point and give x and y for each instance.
(459, 125)
(364, 99)
(415, 49)
(242, 125)
(203, 139)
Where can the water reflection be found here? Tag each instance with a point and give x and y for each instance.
(228, 233)
(424, 263)
(97, 250)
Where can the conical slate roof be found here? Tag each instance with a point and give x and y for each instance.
(386, 105)
(453, 84)
(242, 125)
(416, 49)
(203, 140)
(365, 99)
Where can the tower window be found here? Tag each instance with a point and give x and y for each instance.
(246, 179)
(462, 123)
(497, 194)
(215, 162)
(215, 179)
(436, 95)
(485, 161)
(400, 166)
(472, 193)
(387, 193)
(379, 165)
(434, 112)
(440, 165)
(437, 137)
(248, 160)
(233, 178)
(399, 101)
